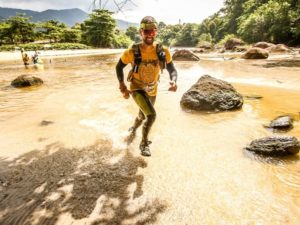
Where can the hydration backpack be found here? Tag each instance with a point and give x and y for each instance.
(138, 56)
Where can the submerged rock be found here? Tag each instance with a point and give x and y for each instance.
(253, 97)
(255, 53)
(26, 81)
(280, 48)
(240, 48)
(275, 145)
(211, 94)
(281, 123)
(199, 50)
(263, 45)
(185, 55)
(46, 123)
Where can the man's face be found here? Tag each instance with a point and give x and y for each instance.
(148, 35)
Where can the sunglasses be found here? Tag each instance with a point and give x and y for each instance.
(152, 32)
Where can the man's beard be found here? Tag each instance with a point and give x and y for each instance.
(149, 40)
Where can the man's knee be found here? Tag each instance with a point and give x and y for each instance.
(151, 118)
(141, 117)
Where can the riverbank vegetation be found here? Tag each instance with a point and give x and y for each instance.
(276, 21)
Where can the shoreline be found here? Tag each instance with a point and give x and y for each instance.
(16, 55)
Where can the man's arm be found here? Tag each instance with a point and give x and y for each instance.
(120, 75)
(119, 70)
(172, 71)
(173, 76)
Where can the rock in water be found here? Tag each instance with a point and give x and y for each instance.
(233, 42)
(263, 45)
(282, 122)
(275, 145)
(255, 53)
(211, 94)
(185, 55)
(280, 48)
(26, 81)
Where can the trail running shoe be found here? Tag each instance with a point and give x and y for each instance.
(144, 147)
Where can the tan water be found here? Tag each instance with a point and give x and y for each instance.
(78, 170)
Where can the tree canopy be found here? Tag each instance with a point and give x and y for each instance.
(98, 29)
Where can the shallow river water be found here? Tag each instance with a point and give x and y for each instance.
(63, 159)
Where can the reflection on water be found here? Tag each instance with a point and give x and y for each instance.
(198, 167)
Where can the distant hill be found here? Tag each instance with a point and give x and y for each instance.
(7, 12)
(122, 24)
(67, 16)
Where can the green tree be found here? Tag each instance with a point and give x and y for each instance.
(98, 29)
(269, 22)
(53, 30)
(133, 33)
(71, 35)
(167, 34)
(188, 35)
(161, 25)
(121, 41)
(4, 33)
(20, 29)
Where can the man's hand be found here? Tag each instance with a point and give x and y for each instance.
(173, 86)
(124, 90)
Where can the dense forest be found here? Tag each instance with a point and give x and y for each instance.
(276, 21)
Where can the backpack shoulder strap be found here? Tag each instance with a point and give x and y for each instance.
(161, 56)
(137, 56)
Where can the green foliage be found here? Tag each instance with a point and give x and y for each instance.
(188, 35)
(167, 34)
(205, 37)
(71, 35)
(270, 22)
(19, 29)
(204, 40)
(133, 33)
(161, 25)
(226, 38)
(98, 29)
(4, 31)
(53, 30)
(54, 46)
(122, 41)
(275, 21)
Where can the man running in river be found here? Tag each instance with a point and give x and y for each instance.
(147, 59)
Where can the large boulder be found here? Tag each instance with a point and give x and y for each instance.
(255, 53)
(211, 94)
(185, 55)
(26, 81)
(280, 48)
(275, 146)
(233, 42)
(263, 45)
